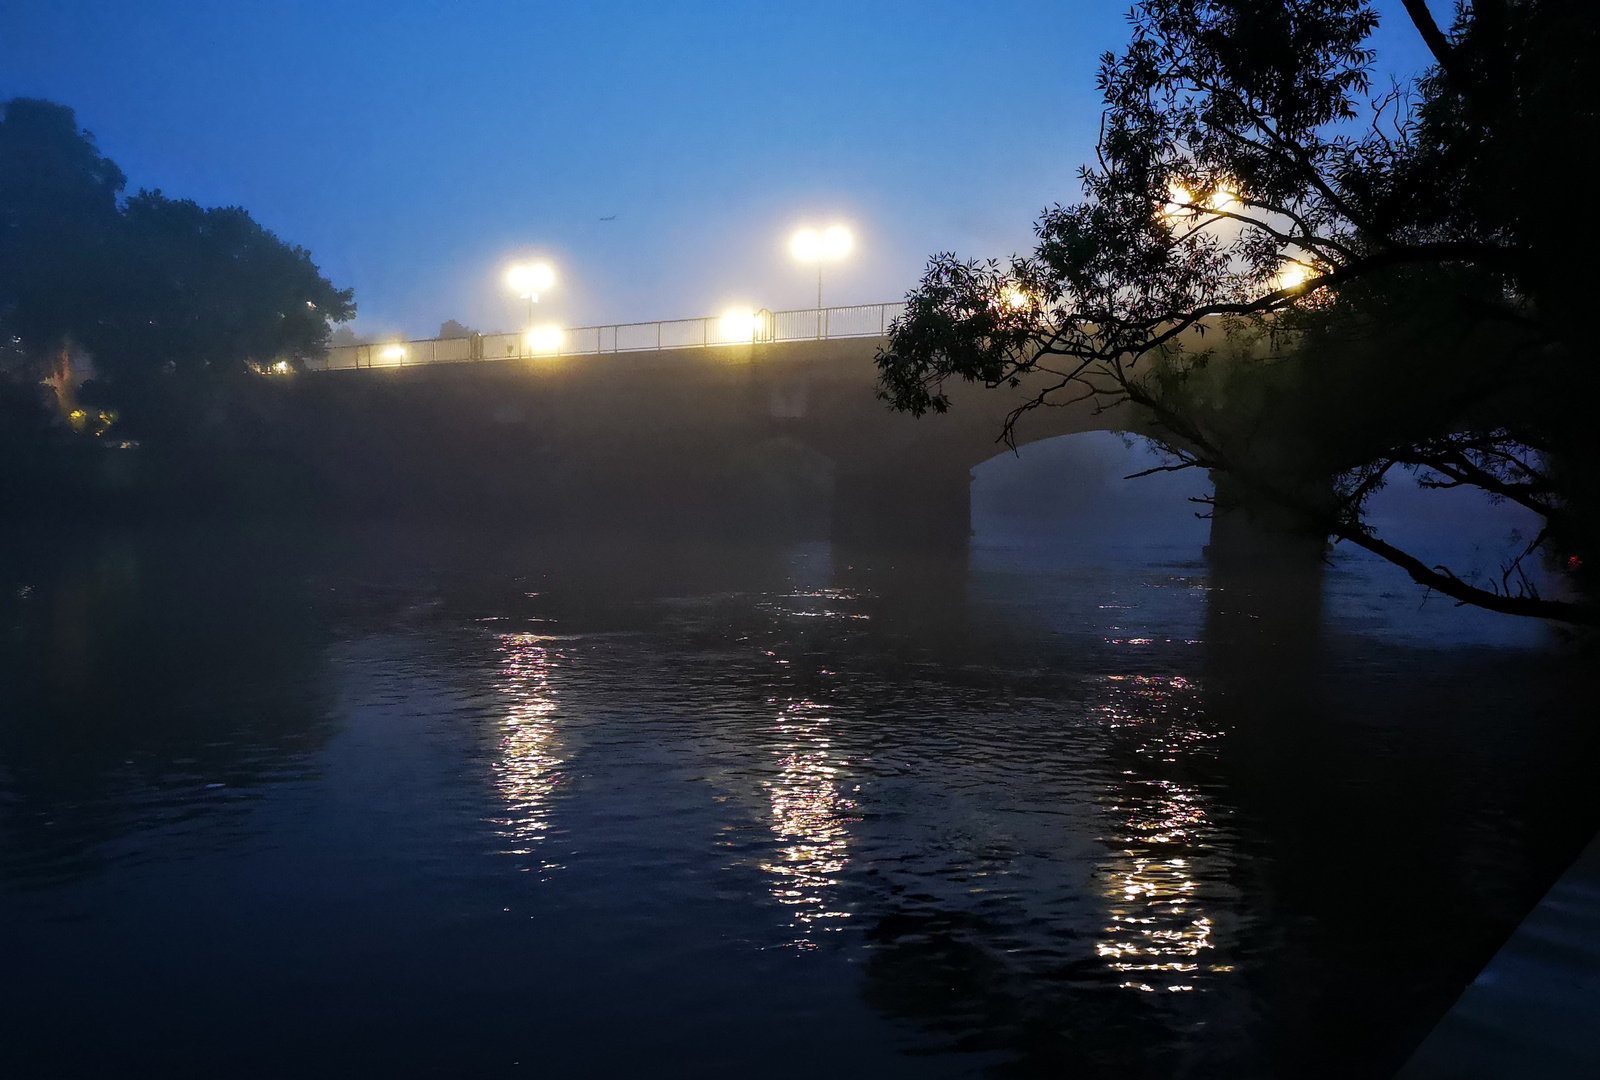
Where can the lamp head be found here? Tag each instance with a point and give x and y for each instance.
(529, 279)
(806, 245)
(811, 245)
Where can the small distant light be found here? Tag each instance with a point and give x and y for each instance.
(395, 352)
(310, 305)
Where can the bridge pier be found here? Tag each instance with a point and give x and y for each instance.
(1263, 626)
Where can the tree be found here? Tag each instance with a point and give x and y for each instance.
(58, 217)
(1311, 286)
(209, 300)
(173, 301)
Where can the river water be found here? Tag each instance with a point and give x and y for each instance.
(404, 801)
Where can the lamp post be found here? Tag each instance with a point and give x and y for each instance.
(814, 246)
(527, 280)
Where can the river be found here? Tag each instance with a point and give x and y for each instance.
(387, 800)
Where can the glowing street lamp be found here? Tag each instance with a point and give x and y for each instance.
(738, 324)
(1293, 276)
(544, 340)
(1015, 297)
(820, 246)
(527, 280)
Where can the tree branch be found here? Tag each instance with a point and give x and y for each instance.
(1452, 586)
(1439, 46)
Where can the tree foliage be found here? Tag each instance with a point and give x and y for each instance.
(1312, 282)
(169, 299)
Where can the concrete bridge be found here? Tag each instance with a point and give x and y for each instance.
(775, 428)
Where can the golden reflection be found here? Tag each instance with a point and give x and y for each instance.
(528, 769)
(815, 604)
(1158, 933)
(809, 815)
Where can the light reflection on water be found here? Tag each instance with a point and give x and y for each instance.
(1158, 931)
(809, 818)
(809, 812)
(527, 769)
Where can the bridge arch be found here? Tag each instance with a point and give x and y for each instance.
(1074, 488)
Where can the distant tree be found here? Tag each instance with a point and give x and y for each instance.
(1312, 286)
(452, 329)
(58, 230)
(209, 295)
(170, 299)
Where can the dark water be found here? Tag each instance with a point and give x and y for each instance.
(405, 802)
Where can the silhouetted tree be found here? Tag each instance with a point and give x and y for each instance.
(1311, 285)
(58, 225)
(171, 300)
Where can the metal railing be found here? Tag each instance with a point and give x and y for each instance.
(808, 324)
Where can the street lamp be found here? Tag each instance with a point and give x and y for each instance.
(527, 280)
(820, 246)
(738, 324)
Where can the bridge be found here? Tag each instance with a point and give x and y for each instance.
(739, 421)
(734, 328)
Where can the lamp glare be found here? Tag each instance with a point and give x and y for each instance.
(544, 340)
(738, 325)
(806, 245)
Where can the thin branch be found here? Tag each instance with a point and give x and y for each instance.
(1180, 467)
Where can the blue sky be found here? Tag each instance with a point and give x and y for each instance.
(416, 148)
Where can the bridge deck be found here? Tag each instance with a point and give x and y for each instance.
(736, 328)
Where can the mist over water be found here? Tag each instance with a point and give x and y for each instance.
(1072, 494)
(395, 800)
